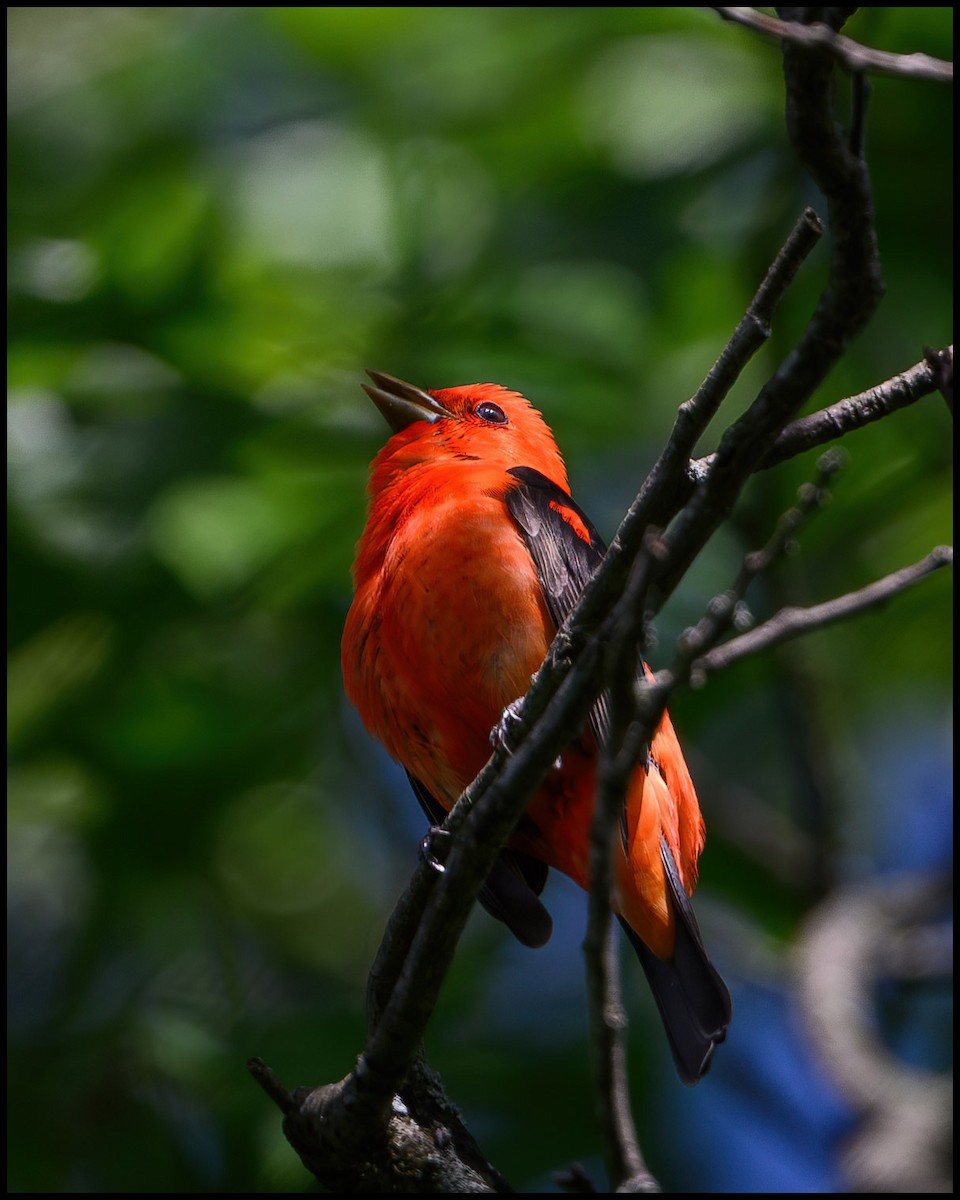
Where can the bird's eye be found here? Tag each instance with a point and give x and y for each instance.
(488, 411)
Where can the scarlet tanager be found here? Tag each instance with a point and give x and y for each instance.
(472, 555)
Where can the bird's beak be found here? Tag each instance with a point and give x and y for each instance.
(402, 403)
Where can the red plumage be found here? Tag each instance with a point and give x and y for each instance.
(473, 553)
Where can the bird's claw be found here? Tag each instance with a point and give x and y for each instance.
(503, 734)
(430, 848)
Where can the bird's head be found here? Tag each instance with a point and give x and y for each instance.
(482, 424)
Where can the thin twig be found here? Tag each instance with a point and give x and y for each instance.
(854, 412)
(722, 611)
(665, 488)
(933, 373)
(652, 692)
(751, 333)
(618, 756)
(853, 56)
(793, 622)
(268, 1080)
(630, 729)
(608, 1028)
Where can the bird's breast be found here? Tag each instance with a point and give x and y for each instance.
(447, 632)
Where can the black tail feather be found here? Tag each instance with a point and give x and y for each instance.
(693, 1001)
(692, 998)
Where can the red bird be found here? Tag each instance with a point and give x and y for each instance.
(473, 554)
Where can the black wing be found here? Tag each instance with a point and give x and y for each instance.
(566, 550)
(513, 886)
(692, 998)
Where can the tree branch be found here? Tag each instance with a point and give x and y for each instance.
(850, 298)
(941, 364)
(668, 485)
(635, 705)
(854, 57)
(725, 610)
(793, 622)
(929, 375)
(753, 330)
(422, 1145)
(608, 1019)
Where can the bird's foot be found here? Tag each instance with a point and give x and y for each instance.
(504, 734)
(434, 848)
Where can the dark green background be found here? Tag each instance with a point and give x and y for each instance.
(218, 217)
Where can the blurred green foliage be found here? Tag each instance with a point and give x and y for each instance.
(217, 218)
